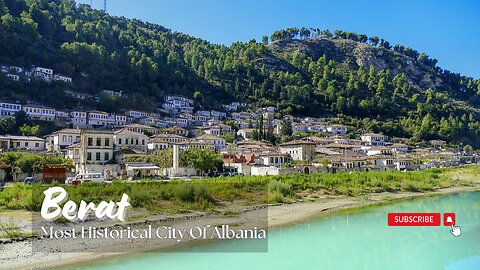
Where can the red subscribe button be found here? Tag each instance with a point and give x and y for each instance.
(414, 219)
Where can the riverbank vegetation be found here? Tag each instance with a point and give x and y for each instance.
(209, 194)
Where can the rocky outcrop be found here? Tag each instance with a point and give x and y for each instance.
(355, 54)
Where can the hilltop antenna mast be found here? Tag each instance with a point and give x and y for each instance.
(105, 5)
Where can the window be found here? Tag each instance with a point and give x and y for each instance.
(26, 144)
(107, 156)
(120, 141)
(143, 142)
(37, 144)
(64, 138)
(99, 142)
(107, 142)
(97, 156)
(137, 142)
(89, 156)
(90, 141)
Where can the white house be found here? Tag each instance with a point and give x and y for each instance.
(218, 143)
(181, 122)
(191, 118)
(299, 127)
(130, 139)
(204, 113)
(112, 93)
(164, 141)
(337, 129)
(187, 109)
(141, 128)
(230, 107)
(99, 118)
(200, 120)
(272, 159)
(317, 128)
(96, 148)
(374, 139)
(149, 121)
(400, 147)
(218, 130)
(218, 115)
(78, 119)
(178, 103)
(9, 109)
(178, 100)
(243, 115)
(234, 106)
(78, 95)
(403, 164)
(120, 120)
(298, 150)
(59, 140)
(378, 150)
(213, 122)
(270, 109)
(58, 77)
(136, 114)
(176, 130)
(61, 115)
(170, 121)
(241, 123)
(131, 120)
(13, 77)
(16, 69)
(8, 142)
(384, 163)
(73, 153)
(246, 133)
(45, 74)
(168, 106)
(39, 112)
(154, 115)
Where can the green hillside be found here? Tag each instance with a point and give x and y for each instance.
(358, 80)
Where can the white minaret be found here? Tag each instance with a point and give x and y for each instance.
(176, 159)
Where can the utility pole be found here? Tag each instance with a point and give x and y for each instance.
(105, 5)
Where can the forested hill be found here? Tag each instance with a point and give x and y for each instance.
(363, 81)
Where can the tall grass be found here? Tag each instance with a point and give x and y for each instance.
(205, 194)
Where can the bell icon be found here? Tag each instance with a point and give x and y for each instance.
(449, 219)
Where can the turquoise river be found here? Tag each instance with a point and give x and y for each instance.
(353, 239)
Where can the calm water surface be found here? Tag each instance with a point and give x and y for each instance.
(356, 239)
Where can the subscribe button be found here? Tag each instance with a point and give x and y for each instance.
(414, 219)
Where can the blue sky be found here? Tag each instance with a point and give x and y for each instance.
(446, 30)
